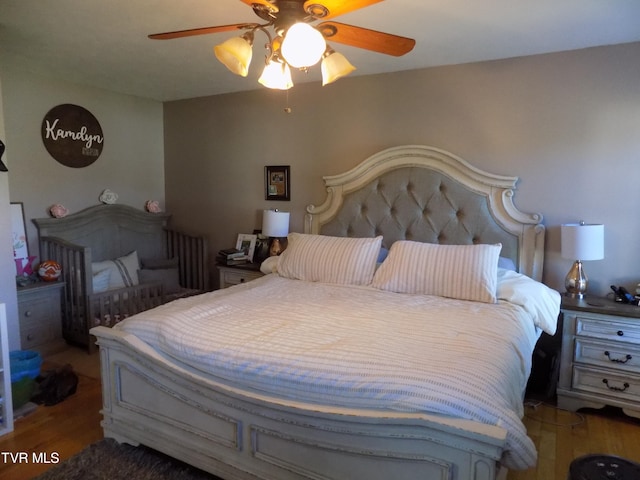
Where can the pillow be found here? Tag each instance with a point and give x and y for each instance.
(466, 272)
(382, 254)
(101, 280)
(156, 263)
(269, 265)
(168, 277)
(321, 258)
(123, 270)
(507, 264)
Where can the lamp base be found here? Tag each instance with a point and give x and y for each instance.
(277, 246)
(576, 281)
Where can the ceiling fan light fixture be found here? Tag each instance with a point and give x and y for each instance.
(276, 75)
(235, 53)
(334, 66)
(303, 45)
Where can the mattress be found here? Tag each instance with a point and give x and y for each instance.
(359, 347)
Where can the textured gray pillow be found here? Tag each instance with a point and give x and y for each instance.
(168, 277)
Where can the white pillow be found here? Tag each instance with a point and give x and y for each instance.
(466, 272)
(321, 258)
(269, 265)
(101, 280)
(123, 270)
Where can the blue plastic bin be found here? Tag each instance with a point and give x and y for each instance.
(25, 367)
(24, 364)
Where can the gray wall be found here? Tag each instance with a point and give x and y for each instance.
(7, 268)
(131, 163)
(567, 124)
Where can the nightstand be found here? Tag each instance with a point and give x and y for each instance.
(40, 316)
(235, 274)
(600, 363)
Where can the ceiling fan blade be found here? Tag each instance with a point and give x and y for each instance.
(261, 4)
(199, 31)
(335, 7)
(368, 39)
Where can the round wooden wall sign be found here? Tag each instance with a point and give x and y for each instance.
(72, 135)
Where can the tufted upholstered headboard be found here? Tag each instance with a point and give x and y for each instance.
(429, 195)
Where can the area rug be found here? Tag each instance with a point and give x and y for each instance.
(109, 460)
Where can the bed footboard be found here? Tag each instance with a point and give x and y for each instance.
(241, 435)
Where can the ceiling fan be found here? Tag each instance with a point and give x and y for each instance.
(295, 42)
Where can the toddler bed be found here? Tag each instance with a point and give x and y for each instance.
(334, 367)
(117, 261)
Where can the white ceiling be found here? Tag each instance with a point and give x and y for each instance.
(104, 43)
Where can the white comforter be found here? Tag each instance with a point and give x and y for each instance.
(364, 348)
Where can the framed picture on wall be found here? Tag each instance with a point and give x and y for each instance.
(276, 182)
(19, 238)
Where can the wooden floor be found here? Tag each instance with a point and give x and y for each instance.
(64, 429)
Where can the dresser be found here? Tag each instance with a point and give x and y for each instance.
(600, 362)
(40, 316)
(236, 274)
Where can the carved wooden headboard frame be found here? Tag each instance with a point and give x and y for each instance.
(422, 193)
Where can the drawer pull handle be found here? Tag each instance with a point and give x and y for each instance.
(618, 360)
(242, 280)
(29, 337)
(615, 389)
(28, 313)
(620, 333)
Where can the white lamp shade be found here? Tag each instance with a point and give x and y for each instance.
(276, 75)
(235, 54)
(275, 223)
(582, 241)
(335, 66)
(303, 45)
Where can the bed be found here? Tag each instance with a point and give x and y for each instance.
(101, 250)
(362, 378)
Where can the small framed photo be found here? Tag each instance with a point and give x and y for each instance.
(276, 182)
(247, 243)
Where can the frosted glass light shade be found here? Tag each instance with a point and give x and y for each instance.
(303, 45)
(275, 223)
(235, 54)
(276, 75)
(335, 66)
(582, 241)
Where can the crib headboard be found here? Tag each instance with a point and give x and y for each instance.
(111, 231)
(425, 194)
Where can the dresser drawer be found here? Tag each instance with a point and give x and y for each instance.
(40, 316)
(35, 309)
(616, 355)
(608, 329)
(35, 335)
(614, 384)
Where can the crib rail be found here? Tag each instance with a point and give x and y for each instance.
(74, 260)
(113, 306)
(192, 252)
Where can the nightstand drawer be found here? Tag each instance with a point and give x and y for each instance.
(230, 277)
(608, 330)
(616, 355)
(606, 382)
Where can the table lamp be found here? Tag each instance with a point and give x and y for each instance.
(580, 242)
(275, 225)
